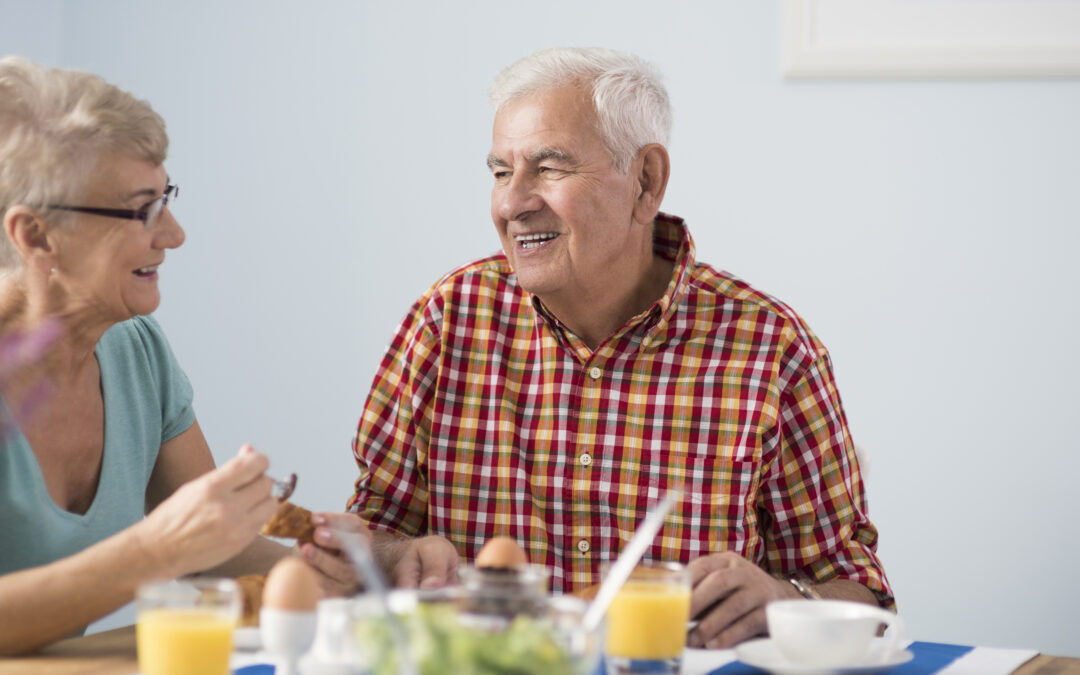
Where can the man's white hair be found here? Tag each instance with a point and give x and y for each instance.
(627, 93)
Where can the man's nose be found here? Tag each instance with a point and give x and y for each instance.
(518, 198)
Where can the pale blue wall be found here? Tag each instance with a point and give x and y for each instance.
(331, 157)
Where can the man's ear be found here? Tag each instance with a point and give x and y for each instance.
(30, 235)
(653, 167)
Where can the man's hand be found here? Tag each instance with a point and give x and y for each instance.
(728, 599)
(426, 562)
(337, 574)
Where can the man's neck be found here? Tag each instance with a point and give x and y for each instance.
(596, 316)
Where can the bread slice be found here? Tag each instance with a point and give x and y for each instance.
(290, 522)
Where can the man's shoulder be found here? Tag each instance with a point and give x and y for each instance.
(731, 295)
(483, 281)
(491, 271)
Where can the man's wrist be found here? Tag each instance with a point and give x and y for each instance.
(802, 588)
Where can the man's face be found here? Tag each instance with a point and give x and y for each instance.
(562, 211)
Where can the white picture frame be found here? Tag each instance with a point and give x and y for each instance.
(930, 38)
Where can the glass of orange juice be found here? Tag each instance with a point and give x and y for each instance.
(646, 622)
(186, 626)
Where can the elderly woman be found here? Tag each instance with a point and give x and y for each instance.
(85, 203)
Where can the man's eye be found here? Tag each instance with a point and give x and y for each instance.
(501, 175)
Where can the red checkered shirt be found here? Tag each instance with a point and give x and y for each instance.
(488, 417)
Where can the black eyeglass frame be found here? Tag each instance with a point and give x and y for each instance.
(172, 191)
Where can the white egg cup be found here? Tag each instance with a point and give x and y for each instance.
(335, 651)
(286, 634)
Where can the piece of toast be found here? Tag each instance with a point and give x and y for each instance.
(291, 522)
(251, 590)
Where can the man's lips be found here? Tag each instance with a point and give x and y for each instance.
(147, 272)
(535, 240)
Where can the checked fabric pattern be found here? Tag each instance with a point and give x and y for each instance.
(488, 417)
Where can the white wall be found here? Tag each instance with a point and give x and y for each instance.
(331, 160)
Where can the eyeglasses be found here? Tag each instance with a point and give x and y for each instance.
(148, 213)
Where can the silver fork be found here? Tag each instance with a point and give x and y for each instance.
(283, 489)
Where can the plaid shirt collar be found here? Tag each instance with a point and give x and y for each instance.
(671, 240)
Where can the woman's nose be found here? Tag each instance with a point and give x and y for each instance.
(169, 232)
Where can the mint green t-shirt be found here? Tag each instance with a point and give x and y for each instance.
(147, 402)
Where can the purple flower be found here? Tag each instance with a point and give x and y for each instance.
(20, 351)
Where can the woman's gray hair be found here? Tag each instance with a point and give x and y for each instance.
(54, 126)
(630, 100)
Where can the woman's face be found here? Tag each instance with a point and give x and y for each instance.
(107, 266)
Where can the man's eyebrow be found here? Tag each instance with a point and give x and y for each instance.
(541, 154)
(538, 155)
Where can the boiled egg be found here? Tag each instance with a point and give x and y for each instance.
(501, 552)
(292, 585)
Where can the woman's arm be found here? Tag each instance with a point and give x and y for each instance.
(203, 522)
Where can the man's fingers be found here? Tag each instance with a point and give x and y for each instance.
(711, 590)
(334, 567)
(725, 628)
(327, 523)
(703, 567)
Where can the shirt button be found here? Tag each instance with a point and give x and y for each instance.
(595, 372)
(583, 546)
(585, 459)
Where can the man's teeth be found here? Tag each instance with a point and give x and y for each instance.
(147, 270)
(534, 240)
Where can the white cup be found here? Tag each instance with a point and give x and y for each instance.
(828, 633)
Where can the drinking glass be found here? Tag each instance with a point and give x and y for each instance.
(186, 626)
(646, 622)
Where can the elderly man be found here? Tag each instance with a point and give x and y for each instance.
(552, 393)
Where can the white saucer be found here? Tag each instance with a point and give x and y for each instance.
(247, 638)
(764, 654)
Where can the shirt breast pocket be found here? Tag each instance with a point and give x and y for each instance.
(717, 510)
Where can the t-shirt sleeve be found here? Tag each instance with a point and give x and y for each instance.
(174, 390)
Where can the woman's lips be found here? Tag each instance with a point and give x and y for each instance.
(149, 272)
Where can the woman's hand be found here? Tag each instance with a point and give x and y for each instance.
(210, 518)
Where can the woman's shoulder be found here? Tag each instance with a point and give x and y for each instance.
(139, 339)
(138, 331)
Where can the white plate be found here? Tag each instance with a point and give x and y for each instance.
(247, 638)
(764, 654)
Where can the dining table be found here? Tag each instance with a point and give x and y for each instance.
(112, 652)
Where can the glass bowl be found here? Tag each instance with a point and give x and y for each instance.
(471, 629)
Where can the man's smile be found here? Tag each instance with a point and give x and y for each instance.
(528, 241)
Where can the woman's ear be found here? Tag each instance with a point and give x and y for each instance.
(29, 233)
(653, 167)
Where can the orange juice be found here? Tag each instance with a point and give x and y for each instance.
(184, 641)
(647, 620)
